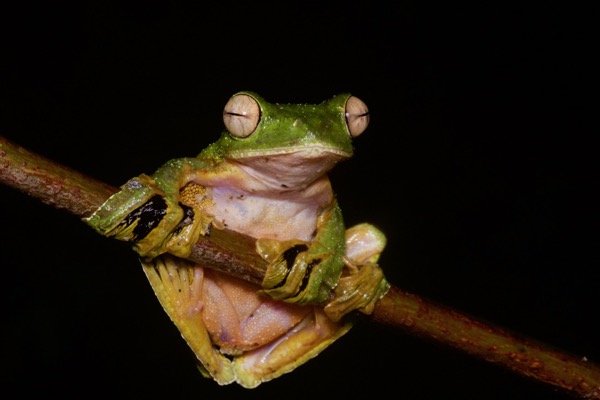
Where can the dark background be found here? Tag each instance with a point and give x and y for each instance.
(478, 165)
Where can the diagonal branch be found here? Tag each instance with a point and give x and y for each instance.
(234, 253)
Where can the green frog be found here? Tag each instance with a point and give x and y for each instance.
(266, 177)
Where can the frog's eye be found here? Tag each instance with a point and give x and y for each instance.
(357, 116)
(241, 115)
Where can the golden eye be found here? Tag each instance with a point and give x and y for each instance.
(241, 115)
(357, 116)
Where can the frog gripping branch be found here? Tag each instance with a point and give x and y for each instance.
(266, 177)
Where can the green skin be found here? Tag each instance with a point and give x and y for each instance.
(270, 183)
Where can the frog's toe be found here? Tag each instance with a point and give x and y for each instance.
(194, 221)
(187, 232)
(362, 283)
(287, 267)
(155, 240)
(358, 289)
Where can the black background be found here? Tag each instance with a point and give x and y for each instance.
(478, 165)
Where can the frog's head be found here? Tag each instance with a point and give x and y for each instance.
(298, 142)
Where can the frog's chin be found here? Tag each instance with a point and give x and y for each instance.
(293, 170)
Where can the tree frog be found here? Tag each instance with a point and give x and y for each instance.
(266, 176)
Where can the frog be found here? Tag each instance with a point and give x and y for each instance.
(266, 176)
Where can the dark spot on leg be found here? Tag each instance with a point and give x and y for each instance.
(289, 256)
(147, 216)
(306, 278)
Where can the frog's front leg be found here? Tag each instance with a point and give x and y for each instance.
(305, 272)
(157, 214)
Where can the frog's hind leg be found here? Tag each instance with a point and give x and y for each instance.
(178, 285)
(362, 283)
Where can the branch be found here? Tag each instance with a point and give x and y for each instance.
(233, 253)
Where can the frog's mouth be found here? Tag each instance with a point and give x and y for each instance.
(291, 169)
(299, 152)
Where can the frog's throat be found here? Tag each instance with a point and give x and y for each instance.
(285, 172)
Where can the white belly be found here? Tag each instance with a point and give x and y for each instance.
(280, 216)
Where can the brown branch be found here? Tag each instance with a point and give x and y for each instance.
(234, 253)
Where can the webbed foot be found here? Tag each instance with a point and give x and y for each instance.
(362, 283)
